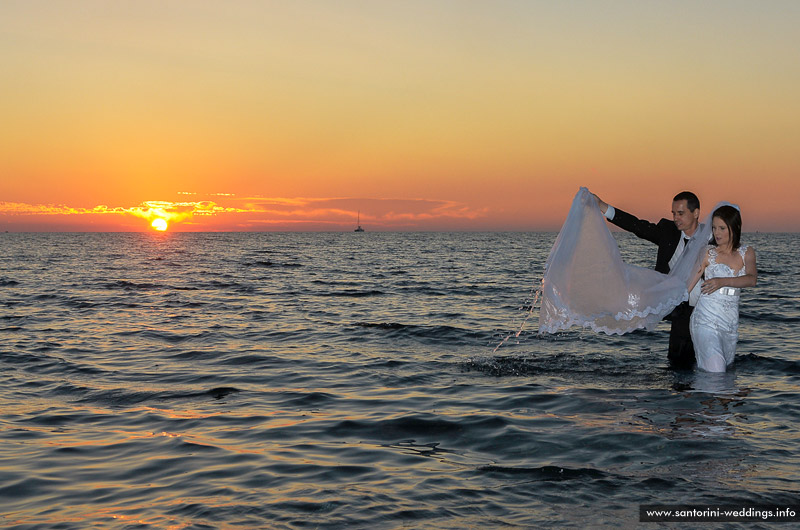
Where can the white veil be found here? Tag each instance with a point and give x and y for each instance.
(587, 284)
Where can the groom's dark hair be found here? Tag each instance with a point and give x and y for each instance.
(691, 200)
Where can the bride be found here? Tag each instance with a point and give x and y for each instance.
(727, 268)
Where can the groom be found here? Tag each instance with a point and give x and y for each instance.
(671, 238)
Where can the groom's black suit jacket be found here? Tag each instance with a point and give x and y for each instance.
(664, 234)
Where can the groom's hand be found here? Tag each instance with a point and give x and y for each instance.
(600, 204)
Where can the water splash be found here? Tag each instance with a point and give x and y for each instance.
(529, 305)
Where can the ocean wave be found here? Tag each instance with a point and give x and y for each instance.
(272, 264)
(775, 315)
(51, 359)
(173, 337)
(414, 427)
(125, 397)
(337, 283)
(431, 334)
(127, 285)
(353, 293)
(306, 400)
(767, 364)
(546, 473)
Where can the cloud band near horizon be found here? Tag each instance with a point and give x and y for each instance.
(227, 212)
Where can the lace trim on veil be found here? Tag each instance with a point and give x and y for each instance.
(618, 324)
(587, 284)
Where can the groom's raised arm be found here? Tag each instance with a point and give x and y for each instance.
(639, 227)
(644, 229)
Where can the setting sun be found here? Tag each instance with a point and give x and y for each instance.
(159, 224)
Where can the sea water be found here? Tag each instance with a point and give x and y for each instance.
(353, 380)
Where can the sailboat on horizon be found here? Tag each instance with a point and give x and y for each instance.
(359, 229)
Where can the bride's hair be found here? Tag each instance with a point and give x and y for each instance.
(733, 219)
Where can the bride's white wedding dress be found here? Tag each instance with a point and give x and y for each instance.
(715, 320)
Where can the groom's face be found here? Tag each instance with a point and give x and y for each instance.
(685, 219)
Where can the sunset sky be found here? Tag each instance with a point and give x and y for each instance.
(420, 115)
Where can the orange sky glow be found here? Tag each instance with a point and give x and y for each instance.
(415, 115)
